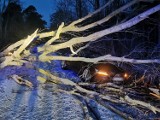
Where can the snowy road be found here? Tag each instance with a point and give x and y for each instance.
(21, 103)
(50, 102)
(44, 101)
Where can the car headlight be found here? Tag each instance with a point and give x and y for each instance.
(103, 73)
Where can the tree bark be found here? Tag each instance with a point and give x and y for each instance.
(96, 4)
(159, 28)
(79, 8)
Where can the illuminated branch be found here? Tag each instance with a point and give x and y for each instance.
(90, 15)
(93, 93)
(52, 33)
(20, 42)
(95, 60)
(97, 35)
(47, 48)
(80, 49)
(59, 31)
(46, 34)
(72, 27)
(15, 58)
(107, 18)
(56, 79)
(73, 52)
(25, 44)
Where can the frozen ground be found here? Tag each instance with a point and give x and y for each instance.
(46, 102)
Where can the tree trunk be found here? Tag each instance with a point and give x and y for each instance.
(79, 8)
(96, 4)
(159, 27)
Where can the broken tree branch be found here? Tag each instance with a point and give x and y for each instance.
(107, 18)
(138, 102)
(95, 60)
(97, 35)
(77, 87)
(21, 81)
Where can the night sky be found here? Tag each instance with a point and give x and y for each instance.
(44, 7)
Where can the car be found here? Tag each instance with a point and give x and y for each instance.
(101, 72)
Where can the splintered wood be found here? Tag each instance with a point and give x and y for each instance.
(21, 81)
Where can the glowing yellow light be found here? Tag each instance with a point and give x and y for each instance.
(125, 75)
(9, 53)
(102, 73)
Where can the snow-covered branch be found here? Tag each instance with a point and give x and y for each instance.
(48, 48)
(101, 58)
(97, 35)
(107, 18)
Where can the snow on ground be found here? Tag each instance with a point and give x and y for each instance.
(44, 101)
(19, 102)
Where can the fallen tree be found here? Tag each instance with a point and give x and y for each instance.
(17, 53)
(19, 48)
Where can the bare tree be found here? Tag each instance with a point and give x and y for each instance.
(2, 9)
(96, 4)
(159, 27)
(79, 8)
(5, 19)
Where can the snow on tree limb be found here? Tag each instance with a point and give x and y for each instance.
(46, 34)
(107, 18)
(80, 49)
(90, 15)
(93, 93)
(52, 33)
(56, 79)
(59, 31)
(25, 44)
(47, 48)
(137, 102)
(15, 58)
(95, 36)
(20, 42)
(102, 33)
(101, 58)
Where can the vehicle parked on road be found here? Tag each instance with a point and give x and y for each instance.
(101, 72)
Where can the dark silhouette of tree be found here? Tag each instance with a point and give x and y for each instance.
(159, 27)
(2, 10)
(32, 20)
(12, 23)
(67, 11)
(64, 13)
(79, 8)
(60, 16)
(16, 24)
(96, 4)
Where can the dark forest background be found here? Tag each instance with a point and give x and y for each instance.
(17, 23)
(141, 40)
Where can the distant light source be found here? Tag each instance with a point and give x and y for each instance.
(126, 75)
(102, 73)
